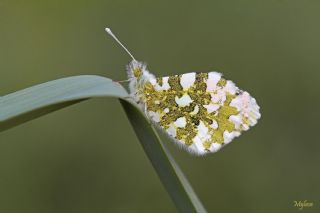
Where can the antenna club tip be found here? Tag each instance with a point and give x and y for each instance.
(107, 29)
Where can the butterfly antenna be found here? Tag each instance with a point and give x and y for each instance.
(108, 30)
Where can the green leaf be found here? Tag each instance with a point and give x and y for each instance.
(22, 106)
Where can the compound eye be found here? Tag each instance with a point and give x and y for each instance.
(137, 72)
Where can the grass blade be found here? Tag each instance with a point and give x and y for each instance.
(24, 105)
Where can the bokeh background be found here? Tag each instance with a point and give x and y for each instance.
(86, 158)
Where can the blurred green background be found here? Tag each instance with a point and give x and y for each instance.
(86, 158)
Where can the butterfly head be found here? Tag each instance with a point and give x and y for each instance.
(136, 69)
(138, 76)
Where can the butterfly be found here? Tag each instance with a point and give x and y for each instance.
(201, 112)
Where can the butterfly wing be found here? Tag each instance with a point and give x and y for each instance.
(201, 111)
